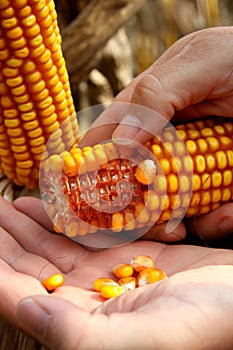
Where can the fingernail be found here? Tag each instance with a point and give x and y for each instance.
(226, 225)
(33, 316)
(127, 130)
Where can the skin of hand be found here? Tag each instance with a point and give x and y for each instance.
(192, 79)
(192, 309)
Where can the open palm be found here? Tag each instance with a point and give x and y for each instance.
(188, 302)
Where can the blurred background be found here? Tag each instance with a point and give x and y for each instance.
(108, 42)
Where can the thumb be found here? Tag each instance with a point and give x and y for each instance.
(59, 324)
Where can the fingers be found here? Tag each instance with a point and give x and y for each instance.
(22, 261)
(59, 250)
(214, 225)
(160, 233)
(33, 208)
(13, 287)
(57, 323)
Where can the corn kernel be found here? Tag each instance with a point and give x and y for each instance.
(122, 270)
(141, 262)
(99, 283)
(109, 292)
(53, 282)
(145, 171)
(129, 283)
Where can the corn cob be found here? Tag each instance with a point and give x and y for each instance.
(35, 96)
(105, 187)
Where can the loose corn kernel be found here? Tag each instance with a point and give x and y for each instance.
(53, 282)
(141, 262)
(99, 283)
(122, 270)
(129, 283)
(109, 292)
(156, 275)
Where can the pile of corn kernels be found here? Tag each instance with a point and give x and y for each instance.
(139, 272)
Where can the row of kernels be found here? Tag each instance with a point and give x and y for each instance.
(139, 272)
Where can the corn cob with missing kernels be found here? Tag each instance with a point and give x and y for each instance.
(192, 169)
(35, 96)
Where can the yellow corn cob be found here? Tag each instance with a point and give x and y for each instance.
(35, 96)
(101, 187)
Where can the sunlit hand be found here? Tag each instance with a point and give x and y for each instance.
(192, 309)
(192, 79)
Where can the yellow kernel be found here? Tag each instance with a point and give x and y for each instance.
(221, 159)
(225, 141)
(18, 44)
(229, 154)
(226, 194)
(53, 282)
(117, 222)
(202, 145)
(152, 200)
(160, 184)
(188, 164)
(24, 164)
(165, 165)
(129, 283)
(22, 53)
(14, 62)
(200, 163)
(12, 123)
(180, 148)
(156, 275)
(213, 143)
(157, 151)
(141, 262)
(207, 132)
(109, 292)
(14, 33)
(206, 180)
(210, 162)
(26, 107)
(191, 146)
(216, 179)
(205, 198)
(175, 202)
(196, 182)
(227, 178)
(145, 171)
(129, 221)
(172, 183)
(70, 167)
(16, 81)
(176, 164)
(184, 183)
(193, 134)
(29, 20)
(99, 283)
(122, 270)
(216, 196)
(181, 133)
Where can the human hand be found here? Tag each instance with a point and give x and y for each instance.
(176, 313)
(192, 79)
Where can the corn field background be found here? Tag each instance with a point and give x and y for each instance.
(108, 42)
